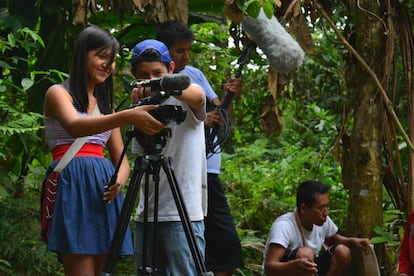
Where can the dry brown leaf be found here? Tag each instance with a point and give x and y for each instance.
(314, 15)
(297, 9)
(255, 245)
(105, 5)
(140, 4)
(299, 27)
(233, 11)
(270, 117)
(155, 12)
(79, 12)
(178, 10)
(272, 82)
(92, 6)
(278, 3)
(160, 11)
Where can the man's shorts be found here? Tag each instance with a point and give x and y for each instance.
(223, 248)
(323, 260)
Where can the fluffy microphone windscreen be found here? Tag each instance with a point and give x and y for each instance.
(175, 82)
(282, 51)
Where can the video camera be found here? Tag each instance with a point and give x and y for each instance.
(168, 85)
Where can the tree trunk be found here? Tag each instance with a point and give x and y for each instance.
(362, 173)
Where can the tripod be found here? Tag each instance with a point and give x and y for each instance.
(150, 163)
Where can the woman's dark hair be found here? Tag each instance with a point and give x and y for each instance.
(171, 31)
(91, 38)
(307, 191)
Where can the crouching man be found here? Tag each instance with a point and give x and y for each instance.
(305, 242)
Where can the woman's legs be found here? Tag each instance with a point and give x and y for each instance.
(85, 265)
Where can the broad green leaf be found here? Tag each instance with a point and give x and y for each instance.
(27, 83)
(11, 39)
(376, 240)
(268, 8)
(252, 8)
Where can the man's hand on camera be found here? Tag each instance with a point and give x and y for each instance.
(138, 93)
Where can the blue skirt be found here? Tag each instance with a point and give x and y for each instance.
(83, 223)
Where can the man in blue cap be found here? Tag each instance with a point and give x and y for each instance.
(150, 60)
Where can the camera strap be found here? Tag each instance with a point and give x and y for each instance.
(75, 147)
(300, 227)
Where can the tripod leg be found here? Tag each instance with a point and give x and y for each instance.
(198, 259)
(140, 168)
(143, 268)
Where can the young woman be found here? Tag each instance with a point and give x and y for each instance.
(86, 209)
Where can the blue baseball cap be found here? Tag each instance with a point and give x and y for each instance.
(156, 45)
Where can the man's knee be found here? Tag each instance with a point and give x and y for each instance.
(305, 252)
(342, 254)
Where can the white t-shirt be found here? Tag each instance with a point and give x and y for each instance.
(187, 149)
(214, 160)
(285, 232)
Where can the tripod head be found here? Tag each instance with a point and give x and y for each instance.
(151, 144)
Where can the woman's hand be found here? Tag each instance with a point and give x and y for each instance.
(144, 121)
(112, 191)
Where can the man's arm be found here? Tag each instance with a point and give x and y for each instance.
(213, 119)
(195, 98)
(361, 243)
(274, 266)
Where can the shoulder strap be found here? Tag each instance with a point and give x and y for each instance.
(299, 225)
(75, 147)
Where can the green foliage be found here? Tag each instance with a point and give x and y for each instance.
(321, 78)
(252, 7)
(212, 38)
(261, 177)
(260, 174)
(22, 157)
(25, 38)
(21, 131)
(390, 235)
(18, 58)
(384, 237)
(19, 123)
(265, 173)
(5, 267)
(222, 63)
(21, 243)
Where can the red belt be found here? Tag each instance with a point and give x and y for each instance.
(86, 150)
